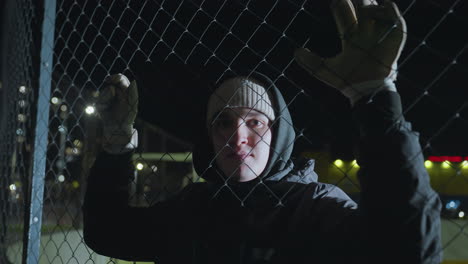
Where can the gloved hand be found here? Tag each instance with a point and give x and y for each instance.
(372, 38)
(117, 106)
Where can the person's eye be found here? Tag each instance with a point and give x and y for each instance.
(255, 123)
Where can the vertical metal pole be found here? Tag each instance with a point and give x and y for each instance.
(41, 132)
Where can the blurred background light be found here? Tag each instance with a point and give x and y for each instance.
(452, 205)
(61, 178)
(338, 163)
(428, 164)
(54, 100)
(22, 89)
(139, 166)
(446, 165)
(75, 184)
(90, 110)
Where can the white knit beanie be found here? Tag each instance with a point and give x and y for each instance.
(240, 92)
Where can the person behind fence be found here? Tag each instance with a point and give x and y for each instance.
(258, 204)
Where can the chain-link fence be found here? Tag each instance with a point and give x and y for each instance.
(19, 78)
(178, 51)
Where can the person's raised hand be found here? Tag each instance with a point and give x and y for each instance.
(117, 106)
(372, 38)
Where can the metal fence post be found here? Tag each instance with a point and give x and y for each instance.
(41, 132)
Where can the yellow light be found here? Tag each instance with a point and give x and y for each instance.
(75, 184)
(12, 187)
(338, 163)
(77, 143)
(464, 164)
(90, 110)
(428, 164)
(139, 166)
(445, 164)
(355, 164)
(461, 214)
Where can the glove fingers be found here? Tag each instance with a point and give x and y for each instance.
(119, 80)
(106, 97)
(112, 87)
(386, 23)
(399, 33)
(392, 28)
(133, 97)
(376, 21)
(345, 16)
(393, 9)
(127, 101)
(394, 12)
(316, 66)
(118, 100)
(389, 12)
(361, 3)
(374, 12)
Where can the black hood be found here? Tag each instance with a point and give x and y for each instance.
(279, 166)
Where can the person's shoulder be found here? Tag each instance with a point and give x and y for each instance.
(294, 189)
(314, 194)
(332, 193)
(320, 189)
(317, 189)
(326, 189)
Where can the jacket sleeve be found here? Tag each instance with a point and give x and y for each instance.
(399, 212)
(114, 229)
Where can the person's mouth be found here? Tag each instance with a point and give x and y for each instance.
(240, 156)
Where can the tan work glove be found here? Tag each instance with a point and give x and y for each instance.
(117, 106)
(372, 38)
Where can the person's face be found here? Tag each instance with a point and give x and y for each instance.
(241, 138)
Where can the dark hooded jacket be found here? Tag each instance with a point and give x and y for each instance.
(285, 215)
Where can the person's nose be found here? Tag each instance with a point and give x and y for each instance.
(240, 136)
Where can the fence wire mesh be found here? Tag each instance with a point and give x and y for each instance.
(18, 79)
(178, 51)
